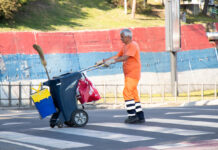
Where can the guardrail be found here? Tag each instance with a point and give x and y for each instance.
(18, 95)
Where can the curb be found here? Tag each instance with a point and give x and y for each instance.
(201, 103)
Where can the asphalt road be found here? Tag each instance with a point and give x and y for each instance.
(189, 128)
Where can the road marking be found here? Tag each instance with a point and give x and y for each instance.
(189, 145)
(176, 131)
(25, 138)
(168, 113)
(97, 134)
(185, 122)
(193, 108)
(202, 116)
(15, 117)
(28, 115)
(172, 113)
(15, 123)
(17, 114)
(22, 144)
(119, 116)
(174, 146)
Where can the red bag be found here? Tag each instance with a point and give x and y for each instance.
(86, 92)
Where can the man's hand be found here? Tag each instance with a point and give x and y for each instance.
(109, 62)
(99, 62)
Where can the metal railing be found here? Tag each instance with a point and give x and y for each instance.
(18, 95)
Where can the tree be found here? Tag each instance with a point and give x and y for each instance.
(125, 7)
(133, 8)
(145, 3)
(205, 7)
(8, 8)
(163, 2)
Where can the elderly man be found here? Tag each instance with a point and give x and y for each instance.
(130, 56)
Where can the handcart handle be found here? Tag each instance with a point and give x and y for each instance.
(92, 68)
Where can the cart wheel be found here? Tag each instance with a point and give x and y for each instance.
(79, 118)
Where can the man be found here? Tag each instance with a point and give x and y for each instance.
(130, 56)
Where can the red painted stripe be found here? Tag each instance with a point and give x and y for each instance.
(194, 37)
(16, 42)
(56, 42)
(149, 39)
(96, 41)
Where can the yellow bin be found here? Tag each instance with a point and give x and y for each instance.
(43, 102)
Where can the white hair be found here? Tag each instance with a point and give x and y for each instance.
(126, 32)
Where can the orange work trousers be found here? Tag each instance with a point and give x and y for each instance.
(130, 91)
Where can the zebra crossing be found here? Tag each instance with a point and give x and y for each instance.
(202, 116)
(98, 134)
(185, 122)
(176, 131)
(40, 142)
(51, 142)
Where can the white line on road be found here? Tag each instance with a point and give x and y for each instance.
(204, 144)
(172, 113)
(17, 114)
(187, 108)
(20, 137)
(168, 113)
(97, 134)
(119, 116)
(16, 117)
(22, 144)
(173, 146)
(175, 131)
(14, 123)
(185, 122)
(202, 116)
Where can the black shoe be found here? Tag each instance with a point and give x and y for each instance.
(141, 117)
(141, 121)
(132, 119)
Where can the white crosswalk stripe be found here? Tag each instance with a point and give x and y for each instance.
(176, 131)
(174, 146)
(98, 134)
(20, 137)
(186, 145)
(185, 122)
(202, 116)
(22, 144)
(15, 123)
(176, 113)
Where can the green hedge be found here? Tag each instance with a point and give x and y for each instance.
(9, 7)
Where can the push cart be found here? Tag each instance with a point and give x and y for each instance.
(63, 92)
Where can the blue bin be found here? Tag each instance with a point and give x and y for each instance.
(44, 103)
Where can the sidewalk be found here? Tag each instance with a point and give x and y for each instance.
(201, 103)
(147, 105)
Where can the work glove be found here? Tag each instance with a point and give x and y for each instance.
(109, 62)
(99, 62)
